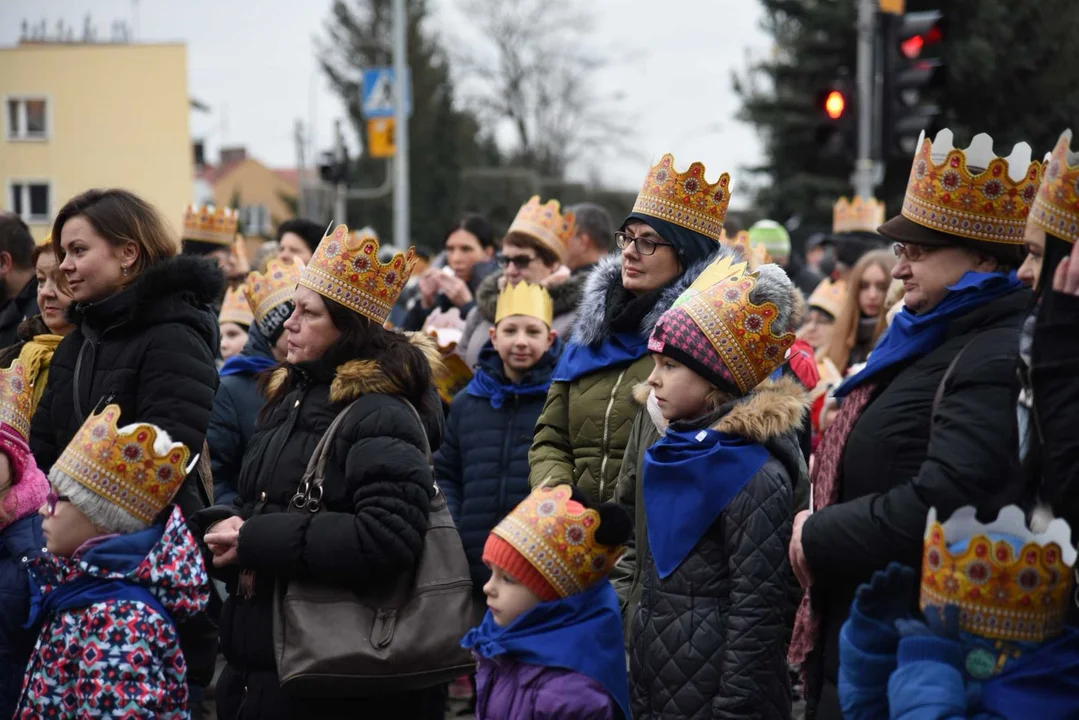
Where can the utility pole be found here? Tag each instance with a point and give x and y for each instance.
(401, 233)
(340, 215)
(301, 169)
(864, 178)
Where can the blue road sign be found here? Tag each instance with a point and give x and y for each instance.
(378, 91)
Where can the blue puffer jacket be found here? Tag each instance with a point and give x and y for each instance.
(236, 405)
(20, 542)
(482, 466)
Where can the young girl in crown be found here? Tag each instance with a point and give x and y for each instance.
(551, 644)
(115, 584)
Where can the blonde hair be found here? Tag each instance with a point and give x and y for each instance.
(845, 334)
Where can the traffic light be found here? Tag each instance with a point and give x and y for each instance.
(333, 170)
(913, 77)
(836, 126)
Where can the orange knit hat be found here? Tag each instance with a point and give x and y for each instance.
(499, 552)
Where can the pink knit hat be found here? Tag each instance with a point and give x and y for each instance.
(29, 486)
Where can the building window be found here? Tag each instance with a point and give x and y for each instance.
(31, 200)
(27, 118)
(255, 220)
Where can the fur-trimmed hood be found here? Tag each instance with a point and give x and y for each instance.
(564, 296)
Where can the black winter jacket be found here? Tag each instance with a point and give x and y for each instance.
(482, 466)
(149, 349)
(17, 309)
(369, 532)
(903, 457)
(710, 640)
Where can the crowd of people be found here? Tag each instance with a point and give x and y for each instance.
(655, 469)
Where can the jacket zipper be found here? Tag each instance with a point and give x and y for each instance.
(606, 450)
(505, 459)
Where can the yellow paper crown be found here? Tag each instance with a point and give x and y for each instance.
(829, 295)
(123, 466)
(1008, 582)
(525, 299)
(210, 224)
(557, 536)
(268, 293)
(685, 198)
(16, 398)
(858, 215)
(1056, 207)
(755, 255)
(546, 223)
(346, 269)
(972, 193)
(235, 308)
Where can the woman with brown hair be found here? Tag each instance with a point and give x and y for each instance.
(856, 330)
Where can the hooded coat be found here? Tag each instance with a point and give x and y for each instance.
(150, 349)
(130, 663)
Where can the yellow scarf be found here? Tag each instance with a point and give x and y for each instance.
(35, 357)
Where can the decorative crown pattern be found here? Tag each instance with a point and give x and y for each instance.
(755, 255)
(1056, 207)
(857, 215)
(210, 224)
(269, 293)
(123, 466)
(829, 295)
(546, 223)
(345, 268)
(1008, 582)
(971, 193)
(685, 198)
(558, 537)
(16, 398)
(525, 299)
(235, 308)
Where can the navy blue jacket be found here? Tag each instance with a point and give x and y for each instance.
(482, 466)
(20, 542)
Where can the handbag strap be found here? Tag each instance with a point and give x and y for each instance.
(309, 492)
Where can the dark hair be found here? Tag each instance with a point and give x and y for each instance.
(478, 226)
(523, 240)
(308, 230)
(16, 240)
(120, 217)
(595, 222)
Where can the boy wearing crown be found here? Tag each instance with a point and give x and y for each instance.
(114, 585)
(482, 466)
(550, 645)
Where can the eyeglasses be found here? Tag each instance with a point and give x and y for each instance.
(912, 252)
(521, 262)
(52, 498)
(644, 246)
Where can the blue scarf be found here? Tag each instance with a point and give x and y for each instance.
(582, 633)
(1046, 677)
(689, 477)
(483, 385)
(913, 336)
(246, 365)
(84, 592)
(619, 349)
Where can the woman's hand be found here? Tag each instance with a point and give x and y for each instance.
(558, 277)
(1066, 277)
(429, 288)
(797, 554)
(223, 538)
(455, 289)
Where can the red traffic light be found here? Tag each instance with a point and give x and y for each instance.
(835, 104)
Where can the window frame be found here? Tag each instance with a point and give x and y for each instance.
(23, 98)
(25, 182)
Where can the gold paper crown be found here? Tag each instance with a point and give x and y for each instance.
(269, 290)
(525, 299)
(559, 540)
(1009, 583)
(755, 255)
(16, 398)
(209, 224)
(235, 308)
(971, 193)
(685, 199)
(829, 295)
(858, 215)
(1056, 207)
(546, 223)
(345, 268)
(123, 466)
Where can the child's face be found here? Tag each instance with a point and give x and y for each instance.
(507, 599)
(521, 341)
(233, 339)
(64, 526)
(681, 393)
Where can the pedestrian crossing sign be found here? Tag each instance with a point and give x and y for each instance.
(378, 93)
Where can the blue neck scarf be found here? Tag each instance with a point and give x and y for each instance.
(1046, 677)
(582, 633)
(484, 386)
(913, 336)
(246, 365)
(619, 349)
(689, 477)
(86, 591)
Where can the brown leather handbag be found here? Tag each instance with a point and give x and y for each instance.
(330, 641)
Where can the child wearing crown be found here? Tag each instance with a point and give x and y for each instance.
(551, 644)
(114, 584)
(717, 489)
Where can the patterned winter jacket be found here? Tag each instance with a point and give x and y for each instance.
(116, 657)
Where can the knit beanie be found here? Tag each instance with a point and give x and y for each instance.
(29, 487)
(269, 296)
(773, 236)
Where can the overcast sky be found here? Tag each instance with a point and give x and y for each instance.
(253, 62)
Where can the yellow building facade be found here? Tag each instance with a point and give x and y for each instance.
(80, 116)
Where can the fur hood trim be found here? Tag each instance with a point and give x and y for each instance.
(774, 408)
(564, 296)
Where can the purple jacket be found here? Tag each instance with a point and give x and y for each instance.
(506, 688)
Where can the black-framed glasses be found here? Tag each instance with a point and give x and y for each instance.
(52, 498)
(911, 251)
(521, 262)
(643, 245)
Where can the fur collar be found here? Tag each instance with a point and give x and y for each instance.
(564, 296)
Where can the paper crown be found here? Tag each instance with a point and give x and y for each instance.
(525, 299)
(754, 255)
(209, 224)
(1008, 582)
(546, 223)
(345, 268)
(16, 398)
(559, 539)
(235, 308)
(1056, 207)
(685, 199)
(858, 215)
(971, 193)
(829, 296)
(269, 293)
(123, 466)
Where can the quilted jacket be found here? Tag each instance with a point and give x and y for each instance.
(582, 433)
(710, 640)
(509, 689)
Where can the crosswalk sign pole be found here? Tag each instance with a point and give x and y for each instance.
(401, 235)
